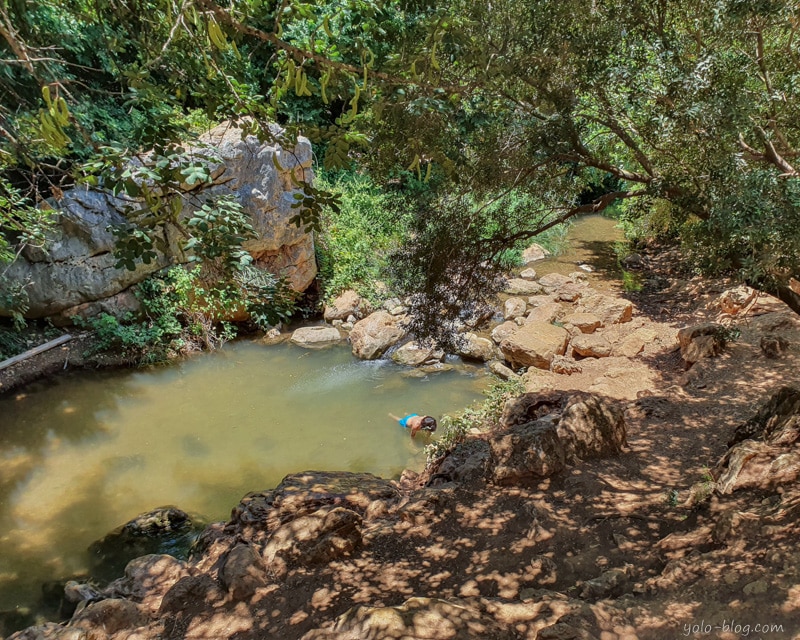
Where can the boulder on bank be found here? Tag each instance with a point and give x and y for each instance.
(346, 304)
(474, 347)
(315, 336)
(373, 335)
(585, 322)
(527, 452)
(414, 354)
(534, 345)
(701, 341)
(591, 427)
(514, 308)
(533, 253)
(764, 451)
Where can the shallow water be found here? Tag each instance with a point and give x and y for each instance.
(85, 453)
(591, 241)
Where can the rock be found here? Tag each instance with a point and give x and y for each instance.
(526, 453)
(591, 346)
(545, 313)
(514, 308)
(773, 346)
(570, 292)
(467, 463)
(119, 306)
(586, 267)
(565, 366)
(591, 427)
(191, 592)
(243, 572)
(533, 253)
(112, 615)
(373, 335)
(475, 348)
(609, 584)
(528, 274)
(347, 303)
(520, 287)
(303, 493)
(609, 309)
(148, 578)
(76, 264)
(756, 588)
(764, 450)
(413, 354)
(700, 341)
(322, 536)
(529, 407)
(553, 281)
(315, 336)
(586, 322)
(733, 301)
(633, 344)
(502, 371)
(158, 531)
(633, 261)
(415, 619)
(77, 592)
(535, 344)
(502, 331)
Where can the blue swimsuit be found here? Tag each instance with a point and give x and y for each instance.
(404, 421)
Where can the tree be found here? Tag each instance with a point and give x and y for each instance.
(685, 108)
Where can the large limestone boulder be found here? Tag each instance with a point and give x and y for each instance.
(76, 264)
(315, 336)
(534, 345)
(373, 335)
(545, 313)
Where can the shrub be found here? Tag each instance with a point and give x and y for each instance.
(454, 429)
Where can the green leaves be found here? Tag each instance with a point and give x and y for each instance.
(219, 228)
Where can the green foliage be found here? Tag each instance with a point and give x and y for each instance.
(454, 429)
(269, 300)
(219, 231)
(359, 236)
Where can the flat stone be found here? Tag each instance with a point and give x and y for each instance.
(528, 274)
(553, 281)
(534, 345)
(521, 287)
(413, 354)
(609, 309)
(545, 313)
(591, 346)
(586, 322)
(315, 336)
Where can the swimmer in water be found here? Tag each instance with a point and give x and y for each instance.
(416, 423)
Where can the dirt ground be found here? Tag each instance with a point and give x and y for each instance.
(626, 547)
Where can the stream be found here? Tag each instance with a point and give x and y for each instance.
(86, 452)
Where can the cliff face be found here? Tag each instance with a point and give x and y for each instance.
(76, 265)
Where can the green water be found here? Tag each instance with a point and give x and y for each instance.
(85, 453)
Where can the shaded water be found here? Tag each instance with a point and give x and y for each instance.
(85, 453)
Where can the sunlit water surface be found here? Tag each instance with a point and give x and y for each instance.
(85, 453)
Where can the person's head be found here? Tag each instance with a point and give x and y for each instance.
(428, 424)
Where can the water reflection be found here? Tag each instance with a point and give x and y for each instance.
(84, 454)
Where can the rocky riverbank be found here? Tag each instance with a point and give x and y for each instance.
(648, 494)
